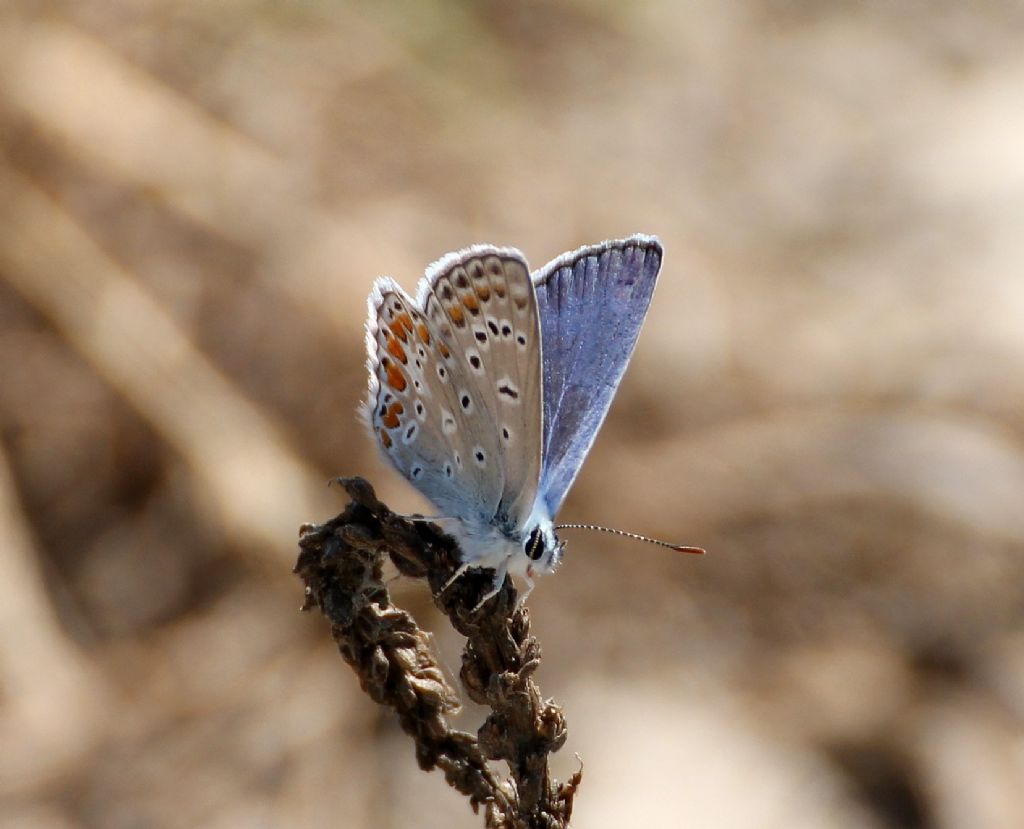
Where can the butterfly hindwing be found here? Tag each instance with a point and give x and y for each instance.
(410, 403)
(592, 304)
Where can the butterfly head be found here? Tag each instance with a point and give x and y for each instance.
(542, 547)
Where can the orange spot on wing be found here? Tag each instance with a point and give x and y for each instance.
(471, 302)
(423, 333)
(483, 292)
(390, 418)
(443, 349)
(455, 312)
(499, 289)
(385, 438)
(396, 379)
(396, 350)
(404, 322)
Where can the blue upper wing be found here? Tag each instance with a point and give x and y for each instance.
(592, 303)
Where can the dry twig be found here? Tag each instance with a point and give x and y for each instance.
(341, 564)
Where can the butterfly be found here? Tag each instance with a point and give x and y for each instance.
(488, 389)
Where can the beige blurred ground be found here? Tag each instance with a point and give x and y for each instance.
(829, 395)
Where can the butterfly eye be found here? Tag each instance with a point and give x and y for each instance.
(535, 544)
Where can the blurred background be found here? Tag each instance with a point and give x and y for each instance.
(828, 395)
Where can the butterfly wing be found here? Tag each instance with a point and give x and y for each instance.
(455, 387)
(409, 406)
(592, 304)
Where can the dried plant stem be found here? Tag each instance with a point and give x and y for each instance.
(341, 564)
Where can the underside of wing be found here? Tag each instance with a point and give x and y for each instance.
(592, 304)
(412, 402)
(482, 303)
(455, 385)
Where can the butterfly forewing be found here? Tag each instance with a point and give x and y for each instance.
(592, 304)
(483, 302)
(455, 384)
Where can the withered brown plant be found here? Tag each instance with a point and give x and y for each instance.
(341, 563)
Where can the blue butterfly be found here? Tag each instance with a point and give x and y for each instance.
(488, 390)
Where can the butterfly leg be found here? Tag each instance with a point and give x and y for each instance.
(462, 569)
(496, 585)
(527, 591)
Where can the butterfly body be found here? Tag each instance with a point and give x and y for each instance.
(488, 389)
(527, 550)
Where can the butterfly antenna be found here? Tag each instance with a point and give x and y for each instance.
(679, 548)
